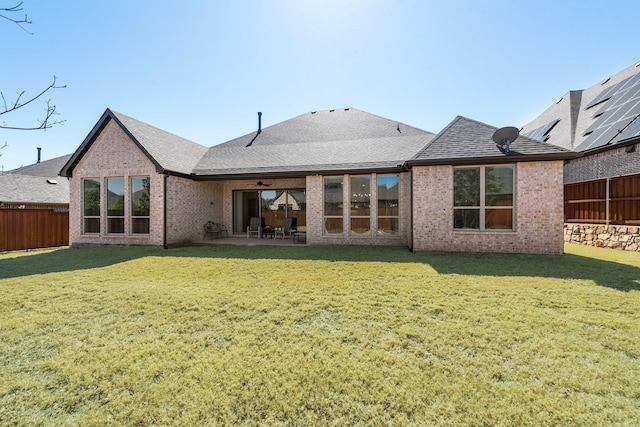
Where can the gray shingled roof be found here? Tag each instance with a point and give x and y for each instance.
(468, 141)
(47, 168)
(17, 188)
(345, 139)
(339, 139)
(577, 115)
(169, 152)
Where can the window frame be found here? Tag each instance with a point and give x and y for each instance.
(97, 181)
(483, 207)
(353, 199)
(109, 217)
(389, 217)
(132, 216)
(326, 217)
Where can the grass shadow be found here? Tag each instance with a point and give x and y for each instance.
(617, 275)
(69, 259)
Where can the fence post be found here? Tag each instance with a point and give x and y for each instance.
(607, 201)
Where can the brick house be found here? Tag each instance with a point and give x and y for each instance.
(344, 175)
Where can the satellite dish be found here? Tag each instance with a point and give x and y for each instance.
(503, 137)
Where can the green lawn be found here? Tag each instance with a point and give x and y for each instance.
(224, 335)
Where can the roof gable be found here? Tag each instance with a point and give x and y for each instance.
(168, 152)
(466, 141)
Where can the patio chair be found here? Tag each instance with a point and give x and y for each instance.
(255, 227)
(286, 229)
(215, 229)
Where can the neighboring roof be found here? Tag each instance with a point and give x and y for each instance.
(466, 141)
(17, 188)
(168, 152)
(319, 141)
(47, 168)
(604, 115)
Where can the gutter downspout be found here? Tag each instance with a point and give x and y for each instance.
(164, 212)
(410, 170)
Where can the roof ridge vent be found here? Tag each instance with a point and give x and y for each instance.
(605, 80)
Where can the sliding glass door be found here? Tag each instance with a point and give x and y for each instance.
(273, 206)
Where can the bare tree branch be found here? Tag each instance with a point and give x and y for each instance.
(4, 11)
(9, 106)
(50, 110)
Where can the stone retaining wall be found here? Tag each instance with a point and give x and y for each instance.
(603, 236)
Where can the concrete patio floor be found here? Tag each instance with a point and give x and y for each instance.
(242, 240)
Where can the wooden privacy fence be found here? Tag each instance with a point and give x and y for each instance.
(613, 201)
(33, 228)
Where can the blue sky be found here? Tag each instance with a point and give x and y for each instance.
(203, 69)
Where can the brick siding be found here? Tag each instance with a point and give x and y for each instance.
(539, 213)
(315, 220)
(606, 164)
(113, 154)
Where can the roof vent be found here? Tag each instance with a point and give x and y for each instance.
(332, 110)
(313, 112)
(637, 64)
(52, 181)
(346, 109)
(559, 101)
(605, 80)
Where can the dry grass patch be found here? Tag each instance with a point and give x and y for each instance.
(318, 336)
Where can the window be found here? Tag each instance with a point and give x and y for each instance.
(360, 204)
(91, 202)
(483, 197)
(115, 205)
(388, 203)
(333, 205)
(140, 202)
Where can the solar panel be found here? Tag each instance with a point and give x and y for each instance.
(618, 87)
(616, 118)
(603, 96)
(542, 131)
(630, 131)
